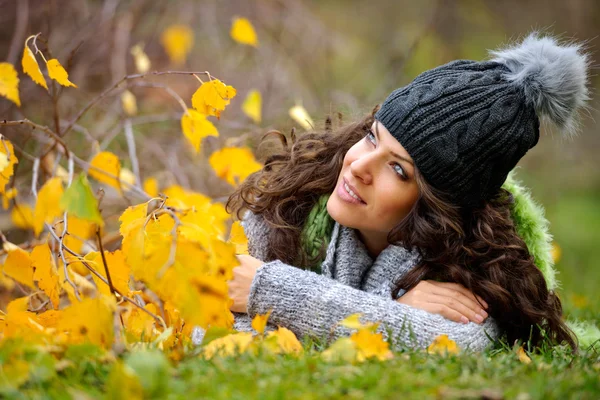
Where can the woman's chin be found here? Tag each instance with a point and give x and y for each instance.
(338, 211)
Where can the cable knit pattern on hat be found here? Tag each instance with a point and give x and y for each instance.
(350, 282)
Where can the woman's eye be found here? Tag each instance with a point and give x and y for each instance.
(371, 137)
(399, 171)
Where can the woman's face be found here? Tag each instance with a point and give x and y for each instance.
(376, 187)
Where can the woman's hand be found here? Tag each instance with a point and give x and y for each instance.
(451, 300)
(239, 286)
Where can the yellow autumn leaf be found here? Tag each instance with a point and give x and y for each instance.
(90, 320)
(139, 325)
(252, 106)
(259, 322)
(7, 172)
(352, 321)
(127, 176)
(142, 62)
(523, 357)
(443, 345)
(117, 268)
(132, 217)
(8, 194)
(45, 273)
(9, 83)
(178, 41)
(3, 161)
(31, 68)
(370, 345)
(300, 115)
(128, 103)
(151, 187)
(228, 345)
(22, 216)
(234, 164)
(47, 206)
(79, 230)
(105, 167)
(58, 73)
(196, 127)
(212, 97)
(238, 237)
(18, 266)
(287, 342)
(243, 32)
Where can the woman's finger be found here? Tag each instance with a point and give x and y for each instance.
(453, 304)
(444, 311)
(460, 288)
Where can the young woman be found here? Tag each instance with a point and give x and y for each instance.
(402, 216)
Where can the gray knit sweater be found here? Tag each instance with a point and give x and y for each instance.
(350, 282)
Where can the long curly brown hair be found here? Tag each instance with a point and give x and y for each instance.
(477, 247)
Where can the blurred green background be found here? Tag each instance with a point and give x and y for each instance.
(331, 56)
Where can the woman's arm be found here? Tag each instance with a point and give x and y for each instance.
(311, 304)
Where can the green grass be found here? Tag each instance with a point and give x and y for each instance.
(88, 372)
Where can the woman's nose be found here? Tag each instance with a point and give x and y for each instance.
(362, 167)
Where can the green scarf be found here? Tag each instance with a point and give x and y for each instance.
(530, 223)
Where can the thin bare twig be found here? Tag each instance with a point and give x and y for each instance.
(116, 84)
(135, 166)
(44, 129)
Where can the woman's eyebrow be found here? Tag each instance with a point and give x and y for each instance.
(391, 152)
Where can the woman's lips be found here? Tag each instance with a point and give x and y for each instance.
(347, 197)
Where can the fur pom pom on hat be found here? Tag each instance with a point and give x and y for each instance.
(466, 124)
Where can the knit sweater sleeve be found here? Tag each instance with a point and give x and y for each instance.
(311, 305)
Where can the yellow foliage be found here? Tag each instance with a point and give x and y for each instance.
(18, 266)
(178, 41)
(105, 167)
(22, 216)
(79, 231)
(243, 32)
(353, 322)
(370, 345)
(47, 206)
(139, 325)
(252, 106)
(10, 193)
(287, 342)
(523, 357)
(151, 187)
(142, 62)
(90, 320)
(45, 273)
(238, 238)
(58, 73)
(117, 268)
(196, 127)
(9, 83)
(228, 345)
(300, 115)
(128, 103)
(212, 97)
(259, 322)
(443, 345)
(31, 68)
(7, 171)
(234, 164)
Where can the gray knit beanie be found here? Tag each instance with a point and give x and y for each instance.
(466, 124)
